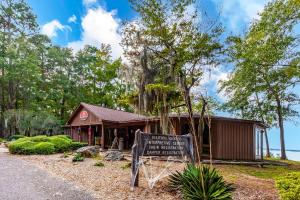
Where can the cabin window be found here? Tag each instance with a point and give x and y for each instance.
(153, 129)
(185, 129)
(206, 134)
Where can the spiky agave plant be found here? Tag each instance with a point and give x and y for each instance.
(200, 183)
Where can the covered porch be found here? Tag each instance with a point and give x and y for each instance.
(103, 134)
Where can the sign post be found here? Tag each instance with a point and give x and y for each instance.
(146, 144)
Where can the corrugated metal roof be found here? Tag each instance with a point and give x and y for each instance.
(118, 116)
(197, 115)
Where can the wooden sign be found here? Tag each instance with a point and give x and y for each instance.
(146, 144)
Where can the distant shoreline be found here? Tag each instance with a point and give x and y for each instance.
(293, 150)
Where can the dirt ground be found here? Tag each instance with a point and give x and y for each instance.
(112, 180)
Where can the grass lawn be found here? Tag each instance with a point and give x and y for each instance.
(265, 172)
(264, 180)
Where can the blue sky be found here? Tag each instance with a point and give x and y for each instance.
(74, 23)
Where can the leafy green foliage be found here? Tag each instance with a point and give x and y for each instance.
(78, 158)
(44, 148)
(200, 182)
(289, 186)
(32, 123)
(22, 146)
(267, 67)
(40, 83)
(169, 51)
(42, 144)
(77, 145)
(61, 144)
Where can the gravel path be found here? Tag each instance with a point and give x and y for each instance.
(20, 180)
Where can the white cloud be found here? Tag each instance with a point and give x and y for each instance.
(50, 29)
(72, 19)
(210, 83)
(240, 11)
(100, 27)
(89, 2)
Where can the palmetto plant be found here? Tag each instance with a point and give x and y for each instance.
(200, 183)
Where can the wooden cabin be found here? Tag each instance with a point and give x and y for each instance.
(231, 139)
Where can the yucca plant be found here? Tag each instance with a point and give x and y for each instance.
(200, 183)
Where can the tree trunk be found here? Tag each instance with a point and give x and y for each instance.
(2, 110)
(268, 155)
(201, 124)
(281, 127)
(62, 108)
(188, 102)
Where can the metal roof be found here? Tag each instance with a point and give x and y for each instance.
(107, 114)
(118, 116)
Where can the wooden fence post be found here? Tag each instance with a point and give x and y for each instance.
(135, 161)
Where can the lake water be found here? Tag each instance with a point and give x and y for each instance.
(291, 155)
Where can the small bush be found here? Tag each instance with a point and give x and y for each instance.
(40, 138)
(200, 182)
(77, 145)
(42, 144)
(44, 148)
(289, 186)
(64, 137)
(99, 164)
(1, 140)
(60, 144)
(15, 137)
(78, 158)
(21, 147)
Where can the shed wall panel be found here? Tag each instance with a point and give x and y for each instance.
(233, 141)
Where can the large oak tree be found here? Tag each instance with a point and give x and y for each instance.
(267, 65)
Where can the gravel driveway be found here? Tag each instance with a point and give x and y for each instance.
(20, 180)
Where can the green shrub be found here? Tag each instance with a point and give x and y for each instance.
(78, 158)
(77, 145)
(15, 137)
(99, 164)
(43, 144)
(200, 182)
(1, 140)
(44, 148)
(289, 186)
(39, 138)
(64, 136)
(60, 144)
(21, 147)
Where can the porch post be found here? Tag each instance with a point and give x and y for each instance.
(90, 135)
(102, 137)
(126, 138)
(79, 133)
(262, 144)
(71, 132)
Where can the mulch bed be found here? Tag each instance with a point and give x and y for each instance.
(112, 182)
